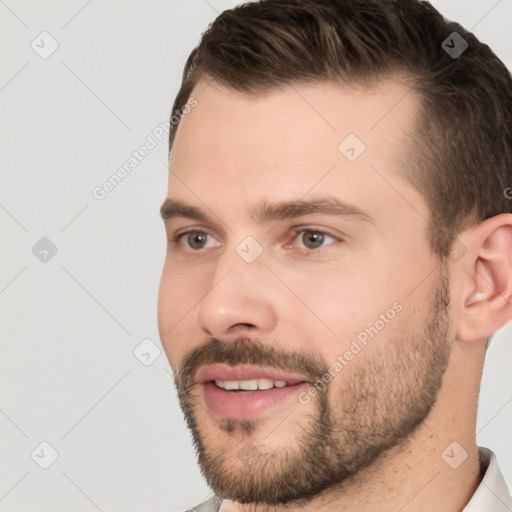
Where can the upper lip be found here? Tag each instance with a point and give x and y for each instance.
(245, 372)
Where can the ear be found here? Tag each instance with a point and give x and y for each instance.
(484, 276)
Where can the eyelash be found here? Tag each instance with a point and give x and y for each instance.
(296, 232)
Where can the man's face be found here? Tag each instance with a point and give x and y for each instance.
(344, 313)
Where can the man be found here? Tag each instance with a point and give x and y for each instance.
(339, 251)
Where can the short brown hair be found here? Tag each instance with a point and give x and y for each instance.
(463, 141)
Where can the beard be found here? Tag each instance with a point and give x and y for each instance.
(376, 403)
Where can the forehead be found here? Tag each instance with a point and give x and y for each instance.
(287, 142)
(384, 107)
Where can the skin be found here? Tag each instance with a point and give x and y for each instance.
(234, 150)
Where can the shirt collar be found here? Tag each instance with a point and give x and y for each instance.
(492, 495)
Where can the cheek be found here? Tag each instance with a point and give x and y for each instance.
(342, 297)
(343, 306)
(180, 289)
(177, 296)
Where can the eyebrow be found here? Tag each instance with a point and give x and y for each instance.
(277, 211)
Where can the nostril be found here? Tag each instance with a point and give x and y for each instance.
(250, 326)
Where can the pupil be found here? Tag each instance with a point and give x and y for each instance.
(313, 239)
(196, 240)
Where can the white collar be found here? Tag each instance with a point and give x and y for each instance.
(492, 495)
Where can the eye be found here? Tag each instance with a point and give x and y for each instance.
(194, 239)
(312, 238)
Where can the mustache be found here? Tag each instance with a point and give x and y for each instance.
(247, 351)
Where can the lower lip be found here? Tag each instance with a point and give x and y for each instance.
(246, 404)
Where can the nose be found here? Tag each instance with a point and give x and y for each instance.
(239, 301)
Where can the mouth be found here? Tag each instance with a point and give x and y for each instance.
(244, 392)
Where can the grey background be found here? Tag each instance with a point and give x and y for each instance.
(70, 324)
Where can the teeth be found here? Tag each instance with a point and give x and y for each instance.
(250, 385)
(230, 384)
(263, 384)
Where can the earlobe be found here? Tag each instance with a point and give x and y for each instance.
(488, 304)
